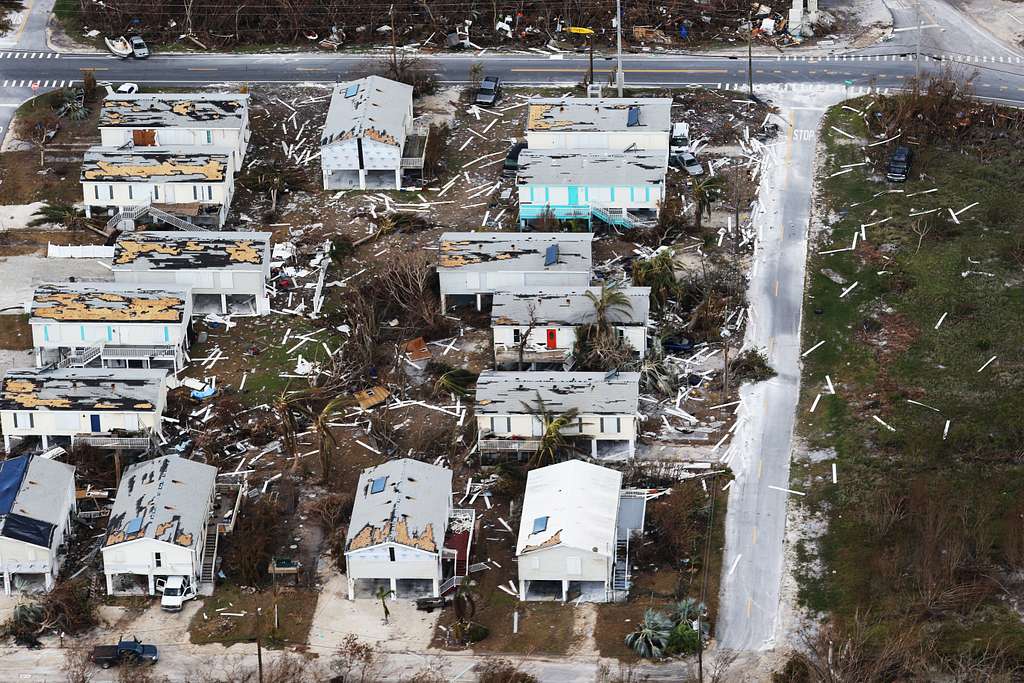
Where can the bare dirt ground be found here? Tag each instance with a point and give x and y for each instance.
(1003, 18)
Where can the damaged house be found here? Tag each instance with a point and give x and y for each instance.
(404, 534)
(192, 184)
(159, 526)
(177, 119)
(37, 499)
(541, 325)
(619, 188)
(228, 272)
(508, 411)
(574, 533)
(612, 124)
(368, 140)
(81, 324)
(106, 408)
(475, 265)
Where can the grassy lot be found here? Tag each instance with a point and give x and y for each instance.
(15, 333)
(294, 608)
(924, 529)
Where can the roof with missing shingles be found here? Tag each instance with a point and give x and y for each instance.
(174, 110)
(515, 251)
(512, 393)
(166, 499)
(73, 302)
(555, 114)
(592, 168)
(83, 389)
(153, 164)
(373, 107)
(567, 306)
(187, 250)
(410, 508)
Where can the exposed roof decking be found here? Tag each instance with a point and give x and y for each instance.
(593, 168)
(376, 110)
(166, 499)
(82, 389)
(566, 306)
(70, 302)
(410, 509)
(512, 393)
(156, 164)
(188, 250)
(553, 114)
(174, 110)
(580, 501)
(515, 251)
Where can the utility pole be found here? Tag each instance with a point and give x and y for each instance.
(259, 643)
(394, 46)
(750, 53)
(704, 582)
(917, 57)
(590, 78)
(619, 76)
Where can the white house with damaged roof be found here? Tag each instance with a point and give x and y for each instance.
(541, 324)
(368, 139)
(79, 324)
(112, 408)
(509, 407)
(614, 124)
(194, 184)
(473, 266)
(574, 533)
(405, 535)
(37, 500)
(177, 119)
(624, 188)
(227, 272)
(159, 525)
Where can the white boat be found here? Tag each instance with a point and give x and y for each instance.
(119, 47)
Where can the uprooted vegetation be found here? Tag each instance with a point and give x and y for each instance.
(922, 350)
(69, 608)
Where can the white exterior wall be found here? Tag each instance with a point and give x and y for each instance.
(559, 196)
(121, 194)
(526, 426)
(201, 280)
(555, 564)
(565, 336)
(71, 422)
(139, 557)
(610, 140)
(18, 557)
(235, 139)
(466, 282)
(375, 563)
(56, 334)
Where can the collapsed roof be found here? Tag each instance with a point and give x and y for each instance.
(72, 302)
(174, 110)
(552, 114)
(186, 250)
(373, 107)
(156, 164)
(516, 251)
(403, 501)
(567, 306)
(35, 498)
(83, 389)
(600, 168)
(166, 499)
(589, 393)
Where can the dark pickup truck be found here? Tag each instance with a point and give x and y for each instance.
(489, 92)
(899, 164)
(131, 651)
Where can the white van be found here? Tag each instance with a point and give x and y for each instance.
(680, 139)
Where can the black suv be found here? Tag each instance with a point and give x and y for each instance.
(489, 92)
(899, 164)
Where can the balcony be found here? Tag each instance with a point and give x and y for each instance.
(510, 354)
(415, 151)
(134, 443)
(495, 445)
(122, 352)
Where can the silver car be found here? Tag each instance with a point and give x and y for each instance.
(139, 49)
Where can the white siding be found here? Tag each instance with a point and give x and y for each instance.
(473, 282)
(565, 564)
(202, 280)
(140, 557)
(588, 425)
(375, 563)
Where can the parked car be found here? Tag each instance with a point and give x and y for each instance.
(686, 161)
(139, 49)
(132, 651)
(176, 590)
(488, 92)
(677, 344)
(899, 164)
(680, 138)
(511, 164)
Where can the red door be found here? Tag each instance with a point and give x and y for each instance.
(552, 339)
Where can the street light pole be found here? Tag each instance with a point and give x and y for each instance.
(917, 57)
(750, 53)
(619, 78)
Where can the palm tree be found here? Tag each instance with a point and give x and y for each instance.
(383, 594)
(658, 273)
(67, 215)
(287, 426)
(328, 441)
(552, 440)
(706, 190)
(611, 300)
(651, 637)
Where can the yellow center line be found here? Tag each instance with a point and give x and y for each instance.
(755, 535)
(21, 29)
(750, 603)
(776, 288)
(760, 465)
(545, 69)
(771, 345)
(201, 68)
(311, 68)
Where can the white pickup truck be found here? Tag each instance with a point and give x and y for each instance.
(176, 590)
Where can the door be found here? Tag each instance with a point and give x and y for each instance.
(144, 138)
(574, 196)
(552, 339)
(94, 423)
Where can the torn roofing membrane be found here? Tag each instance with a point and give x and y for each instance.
(566, 306)
(166, 499)
(592, 168)
(71, 302)
(373, 107)
(35, 496)
(174, 110)
(186, 250)
(511, 251)
(590, 393)
(82, 389)
(410, 508)
(149, 164)
(598, 114)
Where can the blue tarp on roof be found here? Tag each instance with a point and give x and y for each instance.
(34, 531)
(11, 473)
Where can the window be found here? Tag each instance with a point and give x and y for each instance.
(517, 335)
(501, 425)
(158, 560)
(131, 192)
(23, 420)
(351, 90)
(195, 192)
(209, 191)
(167, 333)
(540, 524)
(96, 191)
(156, 193)
(209, 137)
(377, 485)
(110, 333)
(391, 553)
(110, 191)
(610, 425)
